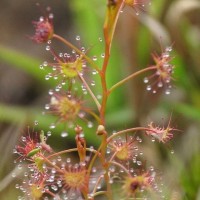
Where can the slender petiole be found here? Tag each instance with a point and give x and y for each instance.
(130, 77)
(90, 91)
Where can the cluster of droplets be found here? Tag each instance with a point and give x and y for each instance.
(126, 150)
(71, 77)
(162, 77)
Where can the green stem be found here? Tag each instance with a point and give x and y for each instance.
(104, 86)
(90, 91)
(109, 29)
(130, 77)
(119, 165)
(50, 163)
(52, 194)
(69, 44)
(85, 195)
(108, 185)
(100, 193)
(92, 113)
(106, 166)
(97, 153)
(126, 131)
(96, 185)
(68, 151)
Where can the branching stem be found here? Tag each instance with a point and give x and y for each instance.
(121, 166)
(69, 151)
(130, 77)
(90, 91)
(127, 131)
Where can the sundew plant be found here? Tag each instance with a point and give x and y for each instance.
(116, 168)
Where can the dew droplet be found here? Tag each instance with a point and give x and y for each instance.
(48, 133)
(94, 72)
(94, 169)
(59, 158)
(108, 151)
(151, 168)
(146, 80)
(81, 114)
(172, 151)
(59, 86)
(167, 91)
(68, 160)
(78, 37)
(84, 65)
(166, 65)
(64, 134)
(14, 151)
(167, 80)
(48, 47)
(36, 122)
(100, 39)
(93, 83)
(51, 16)
(160, 84)
(19, 166)
(25, 174)
(103, 55)
(52, 126)
(148, 87)
(45, 63)
(165, 55)
(47, 106)
(154, 91)
(139, 163)
(99, 96)
(41, 19)
(94, 58)
(90, 124)
(41, 67)
(168, 49)
(23, 139)
(57, 89)
(50, 92)
(83, 87)
(47, 77)
(83, 49)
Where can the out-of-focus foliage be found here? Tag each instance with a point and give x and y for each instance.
(190, 178)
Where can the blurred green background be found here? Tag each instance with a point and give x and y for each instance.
(24, 90)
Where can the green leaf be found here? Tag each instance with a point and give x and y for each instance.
(188, 111)
(190, 178)
(15, 114)
(24, 62)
